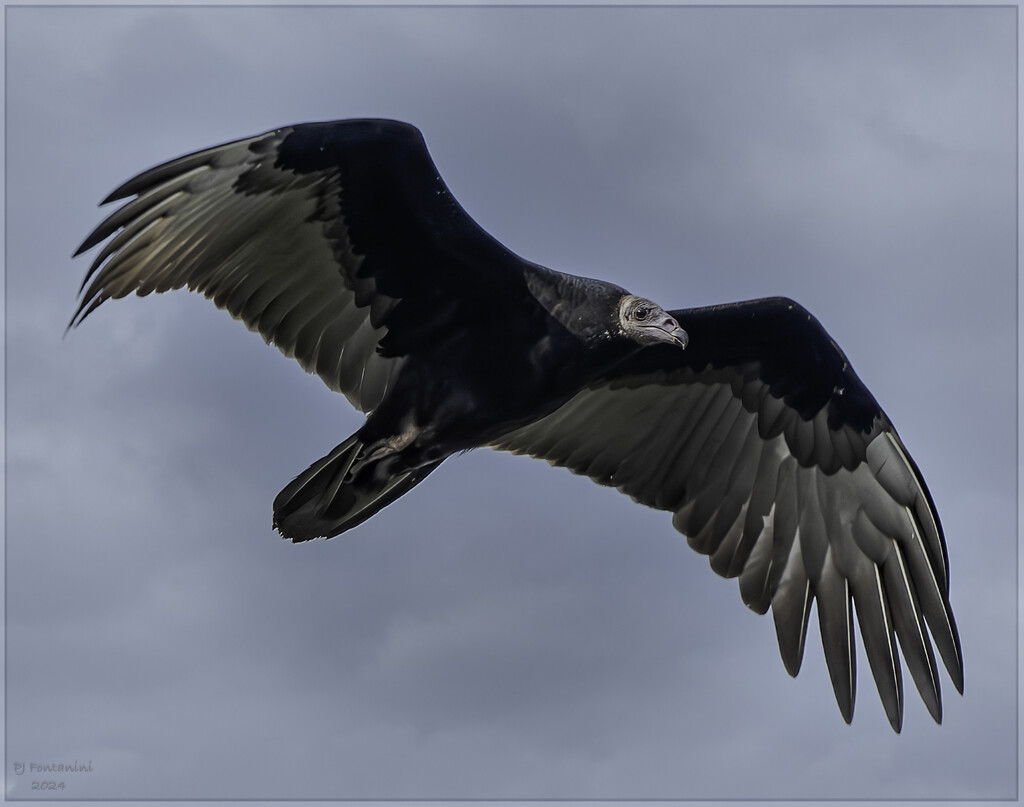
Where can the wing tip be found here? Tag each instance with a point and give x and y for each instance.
(956, 675)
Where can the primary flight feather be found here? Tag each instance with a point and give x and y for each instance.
(340, 244)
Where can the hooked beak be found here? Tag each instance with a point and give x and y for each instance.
(668, 330)
(680, 337)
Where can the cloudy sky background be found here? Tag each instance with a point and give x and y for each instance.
(506, 629)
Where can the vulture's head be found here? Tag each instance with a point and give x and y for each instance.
(648, 323)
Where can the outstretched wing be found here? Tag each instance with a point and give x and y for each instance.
(338, 242)
(780, 466)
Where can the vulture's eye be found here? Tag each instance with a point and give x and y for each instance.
(641, 313)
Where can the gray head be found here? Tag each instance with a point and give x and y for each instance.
(648, 323)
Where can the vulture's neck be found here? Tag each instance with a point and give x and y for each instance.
(585, 307)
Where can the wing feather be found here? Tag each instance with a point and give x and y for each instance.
(791, 609)
(879, 639)
(835, 621)
(912, 633)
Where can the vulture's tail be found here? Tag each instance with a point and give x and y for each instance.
(326, 499)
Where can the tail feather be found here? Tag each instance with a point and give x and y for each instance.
(325, 500)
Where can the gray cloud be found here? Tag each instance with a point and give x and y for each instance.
(506, 629)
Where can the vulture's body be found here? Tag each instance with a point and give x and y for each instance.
(340, 244)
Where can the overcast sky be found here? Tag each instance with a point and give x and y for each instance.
(506, 629)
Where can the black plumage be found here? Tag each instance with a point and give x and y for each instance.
(340, 244)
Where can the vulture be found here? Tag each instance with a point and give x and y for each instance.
(340, 244)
